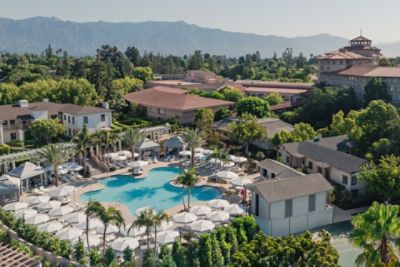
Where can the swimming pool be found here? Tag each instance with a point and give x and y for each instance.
(152, 191)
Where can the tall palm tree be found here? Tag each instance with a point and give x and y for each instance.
(55, 155)
(221, 154)
(193, 138)
(110, 216)
(373, 232)
(145, 219)
(105, 139)
(93, 208)
(158, 218)
(188, 178)
(82, 142)
(133, 136)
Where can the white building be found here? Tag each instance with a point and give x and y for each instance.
(291, 202)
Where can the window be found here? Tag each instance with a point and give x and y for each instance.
(345, 179)
(311, 203)
(310, 165)
(13, 136)
(69, 119)
(264, 172)
(65, 117)
(73, 120)
(353, 180)
(319, 169)
(85, 120)
(5, 123)
(256, 205)
(69, 132)
(288, 208)
(160, 111)
(103, 117)
(12, 122)
(272, 175)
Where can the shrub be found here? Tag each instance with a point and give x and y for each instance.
(5, 149)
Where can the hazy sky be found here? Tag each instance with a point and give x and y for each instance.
(379, 19)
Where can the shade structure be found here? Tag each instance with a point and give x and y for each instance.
(235, 210)
(228, 164)
(135, 231)
(119, 158)
(94, 241)
(38, 200)
(110, 155)
(70, 233)
(25, 213)
(239, 159)
(167, 237)
(202, 226)
(163, 227)
(139, 211)
(62, 191)
(37, 219)
(121, 243)
(49, 205)
(218, 216)
(61, 211)
(198, 155)
(93, 224)
(200, 210)
(184, 217)
(228, 175)
(76, 217)
(15, 206)
(138, 164)
(240, 181)
(218, 203)
(111, 229)
(185, 153)
(50, 227)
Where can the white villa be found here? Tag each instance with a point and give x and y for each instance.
(290, 202)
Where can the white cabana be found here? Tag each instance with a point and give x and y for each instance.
(52, 204)
(139, 211)
(228, 175)
(61, 211)
(218, 216)
(218, 203)
(121, 243)
(202, 226)
(200, 210)
(184, 217)
(38, 200)
(163, 227)
(37, 219)
(138, 164)
(135, 231)
(167, 237)
(15, 206)
(240, 181)
(111, 229)
(77, 217)
(62, 191)
(50, 227)
(70, 233)
(185, 153)
(27, 171)
(25, 213)
(234, 210)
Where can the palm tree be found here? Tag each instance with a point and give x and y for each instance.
(193, 138)
(133, 136)
(82, 141)
(105, 139)
(221, 154)
(110, 216)
(158, 218)
(145, 219)
(373, 232)
(93, 208)
(55, 155)
(188, 179)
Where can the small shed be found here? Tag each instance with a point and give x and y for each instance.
(29, 174)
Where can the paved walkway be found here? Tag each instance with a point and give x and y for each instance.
(340, 215)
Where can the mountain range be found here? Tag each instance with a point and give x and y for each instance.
(177, 38)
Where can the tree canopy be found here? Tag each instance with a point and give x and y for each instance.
(253, 105)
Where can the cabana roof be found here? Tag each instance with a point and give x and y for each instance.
(26, 170)
(7, 187)
(147, 145)
(174, 142)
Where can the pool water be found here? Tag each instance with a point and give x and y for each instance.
(152, 191)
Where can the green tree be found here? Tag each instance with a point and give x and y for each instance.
(82, 141)
(193, 139)
(110, 216)
(231, 93)
(158, 218)
(204, 119)
(217, 258)
(222, 113)
(282, 137)
(253, 105)
(274, 99)
(8, 93)
(143, 73)
(55, 155)
(105, 140)
(341, 124)
(44, 131)
(373, 232)
(79, 252)
(79, 92)
(188, 178)
(132, 137)
(196, 61)
(145, 219)
(205, 250)
(109, 256)
(178, 254)
(303, 131)
(93, 209)
(376, 89)
(65, 249)
(127, 254)
(246, 129)
(37, 91)
(95, 257)
(120, 88)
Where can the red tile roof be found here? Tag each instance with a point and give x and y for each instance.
(174, 99)
(275, 90)
(371, 71)
(342, 55)
(275, 84)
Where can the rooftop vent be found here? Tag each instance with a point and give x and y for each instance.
(23, 103)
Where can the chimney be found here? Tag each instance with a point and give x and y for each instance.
(106, 105)
(45, 100)
(23, 103)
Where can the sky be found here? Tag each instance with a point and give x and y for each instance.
(378, 19)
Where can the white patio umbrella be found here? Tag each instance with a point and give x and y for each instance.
(218, 203)
(184, 217)
(77, 168)
(185, 153)
(216, 161)
(135, 231)
(234, 210)
(228, 164)
(200, 210)
(61, 211)
(62, 191)
(232, 157)
(167, 237)
(111, 229)
(226, 175)
(240, 181)
(198, 155)
(239, 160)
(93, 224)
(25, 213)
(94, 241)
(121, 243)
(206, 151)
(110, 155)
(50, 227)
(139, 211)
(163, 227)
(38, 200)
(37, 219)
(49, 205)
(198, 150)
(119, 158)
(69, 233)
(15, 206)
(138, 164)
(125, 153)
(76, 217)
(202, 226)
(218, 216)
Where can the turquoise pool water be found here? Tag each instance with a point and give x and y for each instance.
(151, 191)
